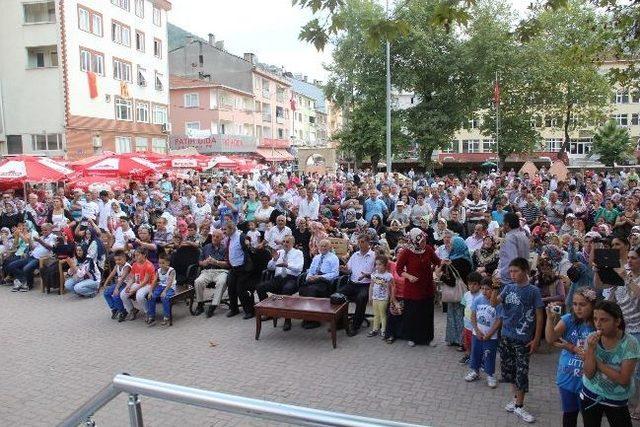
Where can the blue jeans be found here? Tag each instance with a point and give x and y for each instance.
(23, 269)
(483, 353)
(84, 287)
(166, 306)
(114, 303)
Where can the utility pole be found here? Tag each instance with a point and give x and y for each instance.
(388, 46)
(496, 99)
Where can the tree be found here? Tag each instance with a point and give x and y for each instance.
(612, 144)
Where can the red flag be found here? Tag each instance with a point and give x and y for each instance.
(496, 92)
(293, 104)
(93, 86)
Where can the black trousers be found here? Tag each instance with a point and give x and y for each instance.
(320, 288)
(278, 285)
(358, 293)
(240, 287)
(592, 414)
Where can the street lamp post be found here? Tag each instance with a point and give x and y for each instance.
(388, 49)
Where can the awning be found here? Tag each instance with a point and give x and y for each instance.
(275, 155)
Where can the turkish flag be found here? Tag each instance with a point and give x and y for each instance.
(93, 85)
(293, 104)
(496, 92)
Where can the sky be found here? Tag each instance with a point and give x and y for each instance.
(268, 28)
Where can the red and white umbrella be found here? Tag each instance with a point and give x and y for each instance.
(116, 165)
(223, 162)
(98, 183)
(18, 170)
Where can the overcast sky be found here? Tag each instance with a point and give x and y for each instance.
(268, 28)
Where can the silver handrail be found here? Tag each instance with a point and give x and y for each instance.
(255, 408)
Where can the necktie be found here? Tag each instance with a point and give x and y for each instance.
(319, 269)
(283, 272)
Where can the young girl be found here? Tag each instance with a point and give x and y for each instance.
(381, 280)
(570, 334)
(164, 288)
(610, 360)
(253, 234)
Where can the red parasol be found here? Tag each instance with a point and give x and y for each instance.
(117, 165)
(17, 170)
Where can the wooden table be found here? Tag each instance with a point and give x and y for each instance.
(304, 308)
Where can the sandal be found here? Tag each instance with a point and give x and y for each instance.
(390, 339)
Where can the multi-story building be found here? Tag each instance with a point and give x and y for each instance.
(335, 119)
(310, 121)
(80, 76)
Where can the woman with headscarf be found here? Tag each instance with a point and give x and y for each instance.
(458, 259)
(376, 224)
(438, 232)
(10, 216)
(485, 260)
(413, 297)
(579, 207)
(393, 233)
(83, 275)
(318, 234)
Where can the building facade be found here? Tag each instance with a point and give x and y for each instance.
(84, 76)
(310, 120)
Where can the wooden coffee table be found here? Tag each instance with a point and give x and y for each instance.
(304, 308)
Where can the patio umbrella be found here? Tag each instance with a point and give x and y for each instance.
(17, 171)
(223, 162)
(119, 165)
(489, 165)
(98, 183)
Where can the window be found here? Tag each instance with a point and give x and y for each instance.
(142, 112)
(39, 13)
(140, 8)
(142, 144)
(159, 145)
(192, 125)
(266, 112)
(452, 147)
(280, 133)
(470, 145)
(553, 144)
(123, 144)
(266, 93)
(123, 4)
(635, 97)
(157, 16)
(142, 76)
(312, 120)
(621, 119)
(191, 100)
(159, 85)
(89, 21)
(120, 33)
(635, 121)
(280, 95)
(46, 142)
(140, 41)
(91, 61)
(122, 70)
(159, 114)
(157, 48)
(473, 123)
(550, 122)
(14, 144)
(124, 109)
(487, 145)
(42, 57)
(622, 97)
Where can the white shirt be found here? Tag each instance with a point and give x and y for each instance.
(200, 212)
(361, 263)
(474, 242)
(308, 209)
(275, 236)
(105, 212)
(294, 260)
(121, 238)
(39, 251)
(90, 209)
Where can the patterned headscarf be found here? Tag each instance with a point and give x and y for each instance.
(554, 255)
(416, 238)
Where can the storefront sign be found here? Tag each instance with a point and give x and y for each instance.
(215, 143)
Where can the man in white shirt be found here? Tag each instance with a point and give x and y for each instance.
(104, 209)
(275, 236)
(360, 265)
(474, 242)
(22, 269)
(287, 264)
(90, 208)
(122, 235)
(308, 206)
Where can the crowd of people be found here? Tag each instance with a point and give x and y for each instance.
(537, 258)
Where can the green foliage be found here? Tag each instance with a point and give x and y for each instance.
(612, 144)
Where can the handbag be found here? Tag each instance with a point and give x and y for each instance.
(337, 298)
(454, 293)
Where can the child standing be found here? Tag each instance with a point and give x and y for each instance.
(473, 283)
(381, 279)
(486, 321)
(112, 291)
(163, 288)
(253, 234)
(522, 322)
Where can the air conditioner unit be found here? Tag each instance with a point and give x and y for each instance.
(97, 142)
(166, 128)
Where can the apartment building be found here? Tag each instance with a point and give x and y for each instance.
(310, 120)
(79, 77)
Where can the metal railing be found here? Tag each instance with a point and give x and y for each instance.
(255, 408)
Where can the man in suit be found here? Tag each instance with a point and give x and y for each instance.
(323, 270)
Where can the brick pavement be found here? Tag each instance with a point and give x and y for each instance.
(58, 351)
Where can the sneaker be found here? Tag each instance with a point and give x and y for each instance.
(122, 316)
(411, 344)
(151, 321)
(24, 288)
(471, 376)
(432, 344)
(510, 407)
(114, 314)
(464, 360)
(491, 381)
(383, 335)
(526, 416)
(16, 288)
(17, 283)
(132, 315)
(372, 334)
(165, 321)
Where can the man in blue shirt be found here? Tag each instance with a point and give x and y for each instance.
(374, 206)
(239, 284)
(323, 270)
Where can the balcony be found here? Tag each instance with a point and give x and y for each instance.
(279, 119)
(266, 93)
(39, 13)
(266, 117)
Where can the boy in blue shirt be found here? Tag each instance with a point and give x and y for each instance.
(522, 322)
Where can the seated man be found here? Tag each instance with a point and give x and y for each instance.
(361, 264)
(215, 269)
(323, 270)
(22, 269)
(275, 235)
(287, 264)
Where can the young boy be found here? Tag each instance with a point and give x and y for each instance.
(142, 276)
(473, 282)
(163, 288)
(253, 234)
(112, 291)
(486, 322)
(522, 322)
(381, 281)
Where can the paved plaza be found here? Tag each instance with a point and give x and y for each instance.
(57, 351)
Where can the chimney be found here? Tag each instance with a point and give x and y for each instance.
(212, 39)
(305, 78)
(220, 44)
(250, 57)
